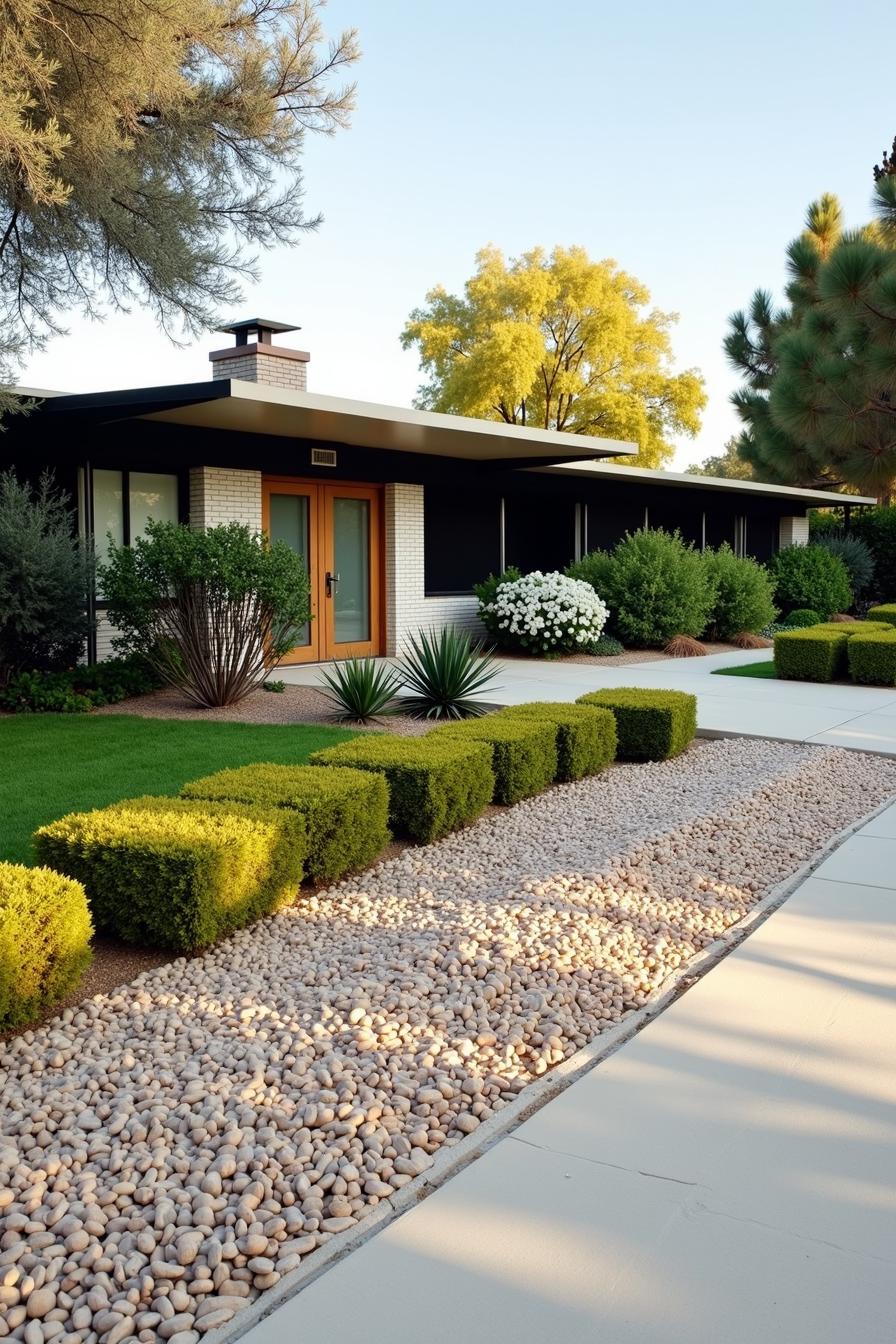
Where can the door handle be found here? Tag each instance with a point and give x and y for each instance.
(332, 581)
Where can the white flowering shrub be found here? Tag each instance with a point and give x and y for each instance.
(544, 613)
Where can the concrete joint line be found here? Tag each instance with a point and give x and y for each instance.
(450, 1161)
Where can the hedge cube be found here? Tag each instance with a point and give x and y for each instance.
(872, 658)
(178, 873)
(524, 752)
(650, 725)
(885, 612)
(814, 654)
(346, 811)
(435, 783)
(586, 735)
(45, 931)
(852, 628)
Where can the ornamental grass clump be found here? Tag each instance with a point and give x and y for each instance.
(360, 689)
(545, 614)
(445, 673)
(856, 555)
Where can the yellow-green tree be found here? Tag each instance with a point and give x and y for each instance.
(557, 341)
(148, 146)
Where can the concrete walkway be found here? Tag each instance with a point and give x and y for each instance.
(862, 717)
(728, 1175)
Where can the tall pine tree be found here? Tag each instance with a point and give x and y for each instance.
(819, 394)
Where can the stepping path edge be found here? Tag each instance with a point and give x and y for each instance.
(718, 734)
(537, 1094)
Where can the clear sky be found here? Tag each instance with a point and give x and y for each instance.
(685, 140)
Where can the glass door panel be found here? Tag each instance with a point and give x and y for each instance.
(290, 521)
(351, 581)
(352, 620)
(290, 514)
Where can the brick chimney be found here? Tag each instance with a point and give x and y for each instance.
(255, 359)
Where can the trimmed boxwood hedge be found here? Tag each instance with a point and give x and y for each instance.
(852, 628)
(650, 725)
(346, 811)
(177, 873)
(886, 612)
(45, 931)
(586, 735)
(435, 783)
(815, 654)
(872, 658)
(524, 752)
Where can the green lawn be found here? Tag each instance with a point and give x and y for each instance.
(747, 670)
(58, 763)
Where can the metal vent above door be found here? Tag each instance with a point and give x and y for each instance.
(323, 457)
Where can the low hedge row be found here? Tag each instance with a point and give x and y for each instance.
(523, 752)
(820, 652)
(346, 811)
(45, 933)
(872, 658)
(885, 612)
(586, 735)
(436, 783)
(178, 873)
(813, 654)
(650, 725)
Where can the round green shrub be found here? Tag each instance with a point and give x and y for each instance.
(744, 593)
(656, 586)
(605, 647)
(802, 617)
(594, 568)
(810, 576)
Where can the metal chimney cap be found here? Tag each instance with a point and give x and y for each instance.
(262, 326)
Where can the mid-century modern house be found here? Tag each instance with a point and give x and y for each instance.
(397, 512)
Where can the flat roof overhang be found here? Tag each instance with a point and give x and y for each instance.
(609, 471)
(236, 407)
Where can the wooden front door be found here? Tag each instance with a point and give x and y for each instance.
(337, 529)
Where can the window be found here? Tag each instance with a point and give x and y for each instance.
(119, 504)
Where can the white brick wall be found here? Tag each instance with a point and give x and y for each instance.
(224, 495)
(278, 370)
(104, 635)
(407, 608)
(793, 532)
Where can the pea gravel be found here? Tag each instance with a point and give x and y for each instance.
(170, 1150)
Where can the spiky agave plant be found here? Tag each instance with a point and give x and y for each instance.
(361, 689)
(444, 671)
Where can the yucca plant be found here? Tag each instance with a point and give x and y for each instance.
(444, 670)
(361, 689)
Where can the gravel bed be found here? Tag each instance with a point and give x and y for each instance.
(294, 704)
(170, 1150)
